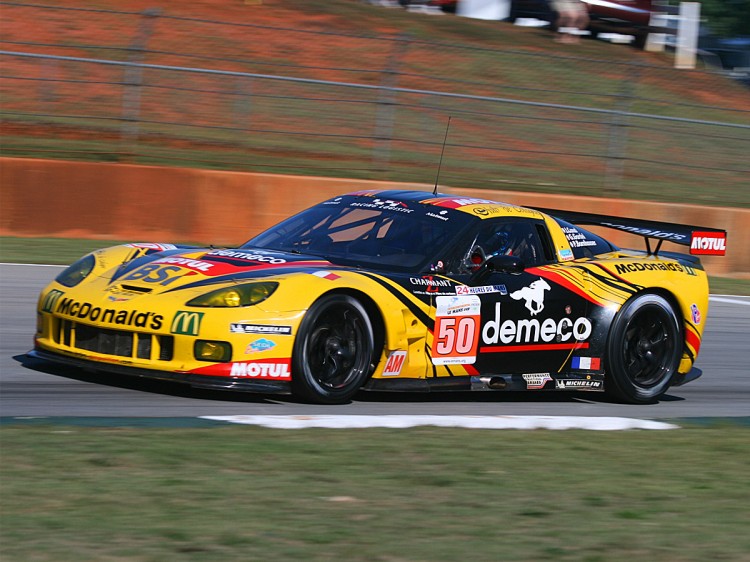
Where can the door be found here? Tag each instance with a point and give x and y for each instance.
(509, 323)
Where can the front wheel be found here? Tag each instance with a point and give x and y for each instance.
(643, 350)
(333, 351)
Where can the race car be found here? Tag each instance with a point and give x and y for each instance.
(394, 290)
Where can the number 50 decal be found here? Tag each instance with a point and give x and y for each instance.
(456, 336)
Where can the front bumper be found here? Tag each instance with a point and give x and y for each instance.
(196, 381)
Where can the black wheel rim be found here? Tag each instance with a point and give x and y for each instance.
(649, 346)
(338, 348)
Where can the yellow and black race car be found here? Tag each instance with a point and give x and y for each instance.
(394, 290)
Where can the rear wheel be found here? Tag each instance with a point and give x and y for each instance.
(333, 351)
(644, 349)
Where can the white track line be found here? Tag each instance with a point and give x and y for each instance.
(471, 422)
(713, 298)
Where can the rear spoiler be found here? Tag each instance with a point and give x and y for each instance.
(701, 240)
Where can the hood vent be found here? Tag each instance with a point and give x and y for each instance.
(135, 288)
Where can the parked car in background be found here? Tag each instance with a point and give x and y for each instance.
(627, 17)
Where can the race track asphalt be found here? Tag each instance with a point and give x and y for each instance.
(35, 389)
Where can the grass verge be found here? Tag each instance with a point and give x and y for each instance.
(67, 250)
(247, 493)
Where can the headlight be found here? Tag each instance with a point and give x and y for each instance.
(240, 295)
(76, 272)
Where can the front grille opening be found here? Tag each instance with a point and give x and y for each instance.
(119, 343)
(166, 347)
(66, 328)
(143, 349)
(107, 342)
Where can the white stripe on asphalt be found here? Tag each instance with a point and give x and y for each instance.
(471, 422)
(33, 264)
(729, 301)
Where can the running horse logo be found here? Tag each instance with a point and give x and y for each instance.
(533, 295)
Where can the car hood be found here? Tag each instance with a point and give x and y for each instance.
(180, 269)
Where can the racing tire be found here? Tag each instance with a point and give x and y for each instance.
(333, 351)
(643, 350)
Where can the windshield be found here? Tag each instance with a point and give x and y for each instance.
(369, 232)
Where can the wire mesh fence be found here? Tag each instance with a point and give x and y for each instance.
(148, 87)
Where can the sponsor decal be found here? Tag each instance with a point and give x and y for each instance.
(457, 324)
(536, 380)
(456, 202)
(533, 295)
(440, 215)
(429, 281)
(157, 247)
(156, 273)
(118, 294)
(466, 290)
(336, 201)
(385, 205)
(495, 209)
(535, 331)
(689, 270)
(433, 285)
(624, 268)
(269, 370)
(255, 255)
(578, 384)
(330, 275)
(394, 364)
(576, 238)
(186, 323)
(262, 344)
(188, 263)
(673, 236)
(695, 313)
(50, 300)
(708, 243)
(246, 328)
(566, 255)
(87, 311)
(586, 363)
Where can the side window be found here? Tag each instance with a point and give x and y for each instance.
(519, 238)
(547, 247)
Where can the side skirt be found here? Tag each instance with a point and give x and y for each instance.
(512, 383)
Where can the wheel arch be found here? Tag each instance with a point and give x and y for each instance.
(626, 391)
(374, 314)
(669, 296)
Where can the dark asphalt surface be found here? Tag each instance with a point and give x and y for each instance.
(35, 389)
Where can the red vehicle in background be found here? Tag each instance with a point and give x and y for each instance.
(627, 17)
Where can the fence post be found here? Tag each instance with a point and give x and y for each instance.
(618, 136)
(133, 81)
(387, 106)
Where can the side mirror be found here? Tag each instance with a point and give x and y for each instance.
(499, 264)
(505, 264)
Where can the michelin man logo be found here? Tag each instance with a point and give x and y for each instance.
(533, 295)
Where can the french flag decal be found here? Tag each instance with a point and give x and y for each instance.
(587, 363)
(330, 275)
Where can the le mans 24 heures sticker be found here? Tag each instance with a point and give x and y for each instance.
(457, 325)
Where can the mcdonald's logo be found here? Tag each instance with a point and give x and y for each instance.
(187, 323)
(50, 300)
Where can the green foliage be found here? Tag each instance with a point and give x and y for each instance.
(727, 18)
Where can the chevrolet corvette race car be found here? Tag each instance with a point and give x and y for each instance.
(394, 290)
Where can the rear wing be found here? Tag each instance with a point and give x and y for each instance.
(701, 240)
